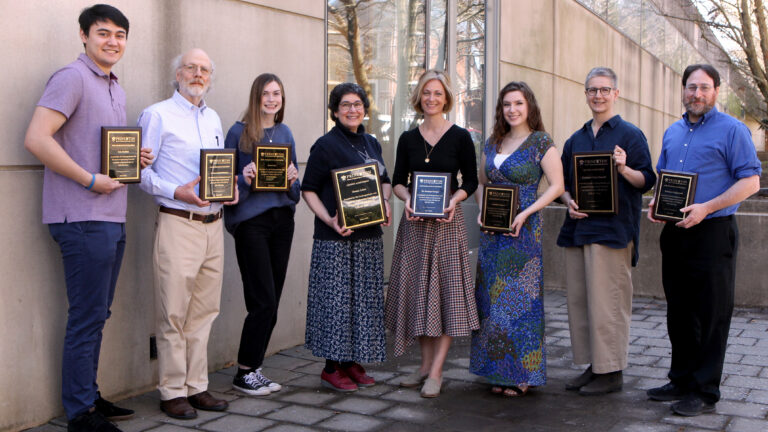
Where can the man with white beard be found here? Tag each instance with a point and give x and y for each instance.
(188, 252)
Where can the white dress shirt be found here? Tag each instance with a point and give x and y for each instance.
(176, 130)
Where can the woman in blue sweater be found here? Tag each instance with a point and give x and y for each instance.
(262, 225)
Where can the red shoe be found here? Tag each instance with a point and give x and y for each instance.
(338, 381)
(358, 375)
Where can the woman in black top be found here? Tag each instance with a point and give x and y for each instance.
(431, 292)
(345, 299)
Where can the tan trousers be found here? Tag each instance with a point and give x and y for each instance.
(188, 263)
(599, 286)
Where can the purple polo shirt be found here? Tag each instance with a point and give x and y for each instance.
(89, 99)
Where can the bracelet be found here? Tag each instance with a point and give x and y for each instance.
(93, 181)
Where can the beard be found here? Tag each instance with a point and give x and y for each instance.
(699, 106)
(194, 91)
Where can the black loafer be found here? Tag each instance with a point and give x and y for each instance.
(692, 406)
(668, 392)
(111, 411)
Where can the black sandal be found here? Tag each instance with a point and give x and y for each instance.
(515, 391)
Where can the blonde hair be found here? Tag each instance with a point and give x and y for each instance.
(426, 77)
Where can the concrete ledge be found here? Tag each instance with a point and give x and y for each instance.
(751, 283)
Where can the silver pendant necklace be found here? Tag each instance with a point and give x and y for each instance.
(269, 137)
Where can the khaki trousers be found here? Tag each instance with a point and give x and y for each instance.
(188, 264)
(599, 287)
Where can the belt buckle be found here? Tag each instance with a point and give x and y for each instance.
(210, 218)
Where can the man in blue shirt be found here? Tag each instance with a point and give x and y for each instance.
(699, 253)
(602, 248)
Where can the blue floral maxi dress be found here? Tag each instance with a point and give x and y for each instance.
(508, 349)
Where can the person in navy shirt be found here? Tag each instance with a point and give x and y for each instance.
(698, 266)
(602, 248)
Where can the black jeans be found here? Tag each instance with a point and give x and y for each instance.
(263, 245)
(699, 273)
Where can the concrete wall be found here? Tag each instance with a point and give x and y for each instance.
(244, 38)
(751, 287)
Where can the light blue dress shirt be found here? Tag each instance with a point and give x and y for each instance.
(176, 131)
(718, 148)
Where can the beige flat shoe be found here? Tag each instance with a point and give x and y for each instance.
(413, 379)
(431, 388)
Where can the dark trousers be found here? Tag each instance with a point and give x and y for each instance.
(263, 245)
(699, 271)
(92, 252)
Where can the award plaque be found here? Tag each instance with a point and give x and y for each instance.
(674, 190)
(500, 204)
(358, 196)
(121, 153)
(430, 193)
(272, 162)
(217, 174)
(595, 187)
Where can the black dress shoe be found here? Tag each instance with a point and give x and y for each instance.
(178, 408)
(668, 392)
(91, 421)
(603, 384)
(692, 406)
(580, 381)
(205, 401)
(111, 411)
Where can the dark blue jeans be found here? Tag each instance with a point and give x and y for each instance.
(92, 252)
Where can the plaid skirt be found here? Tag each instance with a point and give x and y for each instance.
(345, 301)
(431, 291)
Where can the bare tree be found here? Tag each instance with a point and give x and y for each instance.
(743, 24)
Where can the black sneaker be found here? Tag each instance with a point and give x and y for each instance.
(111, 411)
(668, 392)
(250, 384)
(692, 406)
(92, 421)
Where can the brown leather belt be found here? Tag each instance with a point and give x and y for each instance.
(204, 218)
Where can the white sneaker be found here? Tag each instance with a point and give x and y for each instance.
(251, 384)
(271, 385)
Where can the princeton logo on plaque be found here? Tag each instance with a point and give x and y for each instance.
(430, 193)
(674, 190)
(272, 162)
(217, 174)
(359, 199)
(595, 186)
(500, 205)
(120, 153)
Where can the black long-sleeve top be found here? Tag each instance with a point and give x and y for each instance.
(453, 153)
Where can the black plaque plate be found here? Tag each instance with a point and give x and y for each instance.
(217, 174)
(674, 190)
(359, 199)
(430, 193)
(500, 204)
(121, 153)
(272, 162)
(595, 182)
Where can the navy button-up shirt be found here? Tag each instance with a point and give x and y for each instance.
(615, 231)
(718, 148)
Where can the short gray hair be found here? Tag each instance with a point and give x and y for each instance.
(176, 64)
(601, 72)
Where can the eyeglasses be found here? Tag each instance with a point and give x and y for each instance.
(192, 68)
(592, 91)
(703, 88)
(346, 106)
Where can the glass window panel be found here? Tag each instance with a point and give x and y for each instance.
(437, 39)
(627, 16)
(599, 7)
(469, 85)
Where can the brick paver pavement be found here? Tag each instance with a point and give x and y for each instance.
(466, 403)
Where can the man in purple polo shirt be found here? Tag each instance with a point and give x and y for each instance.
(698, 254)
(85, 210)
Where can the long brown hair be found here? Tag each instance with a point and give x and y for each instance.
(253, 131)
(500, 126)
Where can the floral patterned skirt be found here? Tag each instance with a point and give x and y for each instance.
(345, 301)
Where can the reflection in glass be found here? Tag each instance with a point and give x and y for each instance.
(470, 68)
(437, 41)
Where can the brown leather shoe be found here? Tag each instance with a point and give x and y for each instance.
(205, 401)
(178, 408)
